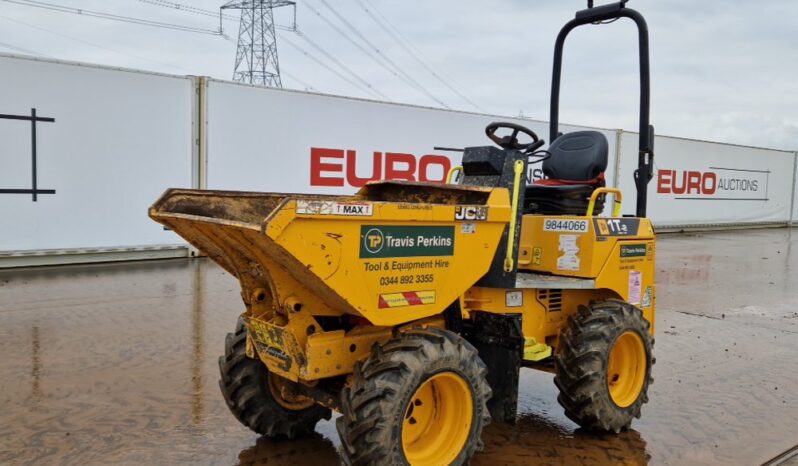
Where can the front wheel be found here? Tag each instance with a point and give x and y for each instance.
(259, 399)
(419, 399)
(603, 365)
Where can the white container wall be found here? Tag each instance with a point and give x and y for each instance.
(271, 140)
(109, 141)
(700, 183)
(118, 139)
(794, 217)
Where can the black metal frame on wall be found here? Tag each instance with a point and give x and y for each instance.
(34, 189)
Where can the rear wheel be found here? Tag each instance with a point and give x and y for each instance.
(419, 399)
(603, 365)
(260, 400)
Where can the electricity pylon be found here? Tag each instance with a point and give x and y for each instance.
(256, 55)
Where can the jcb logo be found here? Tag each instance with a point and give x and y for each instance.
(373, 240)
(470, 213)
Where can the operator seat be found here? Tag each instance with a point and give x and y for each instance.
(573, 171)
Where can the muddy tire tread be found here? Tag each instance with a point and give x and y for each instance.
(581, 360)
(244, 385)
(379, 386)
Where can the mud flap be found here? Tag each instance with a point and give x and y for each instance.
(500, 342)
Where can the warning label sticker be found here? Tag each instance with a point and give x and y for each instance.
(569, 260)
(406, 298)
(635, 286)
(647, 297)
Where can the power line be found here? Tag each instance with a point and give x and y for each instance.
(90, 43)
(400, 39)
(348, 70)
(21, 49)
(376, 49)
(367, 87)
(307, 86)
(190, 9)
(324, 65)
(201, 11)
(112, 17)
(357, 44)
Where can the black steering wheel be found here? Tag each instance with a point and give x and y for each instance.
(511, 140)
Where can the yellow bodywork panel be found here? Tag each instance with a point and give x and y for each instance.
(394, 253)
(398, 254)
(600, 258)
(404, 262)
(575, 246)
(295, 347)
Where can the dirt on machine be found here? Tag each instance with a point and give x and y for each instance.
(410, 308)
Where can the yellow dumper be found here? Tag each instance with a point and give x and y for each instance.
(411, 307)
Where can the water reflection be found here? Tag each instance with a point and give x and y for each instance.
(537, 440)
(198, 345)
(313, 449)
(532, 440)
(36, 366)
(689, 269)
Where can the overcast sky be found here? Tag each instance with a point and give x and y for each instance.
(721, 70)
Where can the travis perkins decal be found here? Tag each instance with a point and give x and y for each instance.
(378, 241)
(633, 250)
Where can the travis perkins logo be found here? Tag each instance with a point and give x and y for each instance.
(405, 241)
(730, 184)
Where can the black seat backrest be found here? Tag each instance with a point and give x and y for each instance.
(577, 156)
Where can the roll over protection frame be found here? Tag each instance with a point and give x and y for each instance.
(597, 15)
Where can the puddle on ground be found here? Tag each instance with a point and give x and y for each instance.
(117, 364)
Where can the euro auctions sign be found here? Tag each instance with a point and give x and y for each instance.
(714, 183)
(339, 167)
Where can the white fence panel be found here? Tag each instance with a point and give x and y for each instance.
(794, 217)
(109, 141)
(118, 139)
(706, 183)
(274, 140)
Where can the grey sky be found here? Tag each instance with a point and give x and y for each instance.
(722, 70)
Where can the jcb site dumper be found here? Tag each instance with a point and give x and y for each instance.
(411, 307)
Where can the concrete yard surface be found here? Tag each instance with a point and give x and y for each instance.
(117, 364)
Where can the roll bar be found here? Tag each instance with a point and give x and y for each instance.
(596, 15)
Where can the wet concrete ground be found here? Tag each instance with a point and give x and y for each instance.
(116, 364)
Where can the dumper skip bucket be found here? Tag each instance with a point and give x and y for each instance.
(392, 253)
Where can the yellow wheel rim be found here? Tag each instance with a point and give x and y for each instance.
(285, 397)
(437, 420)
(626, 371)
